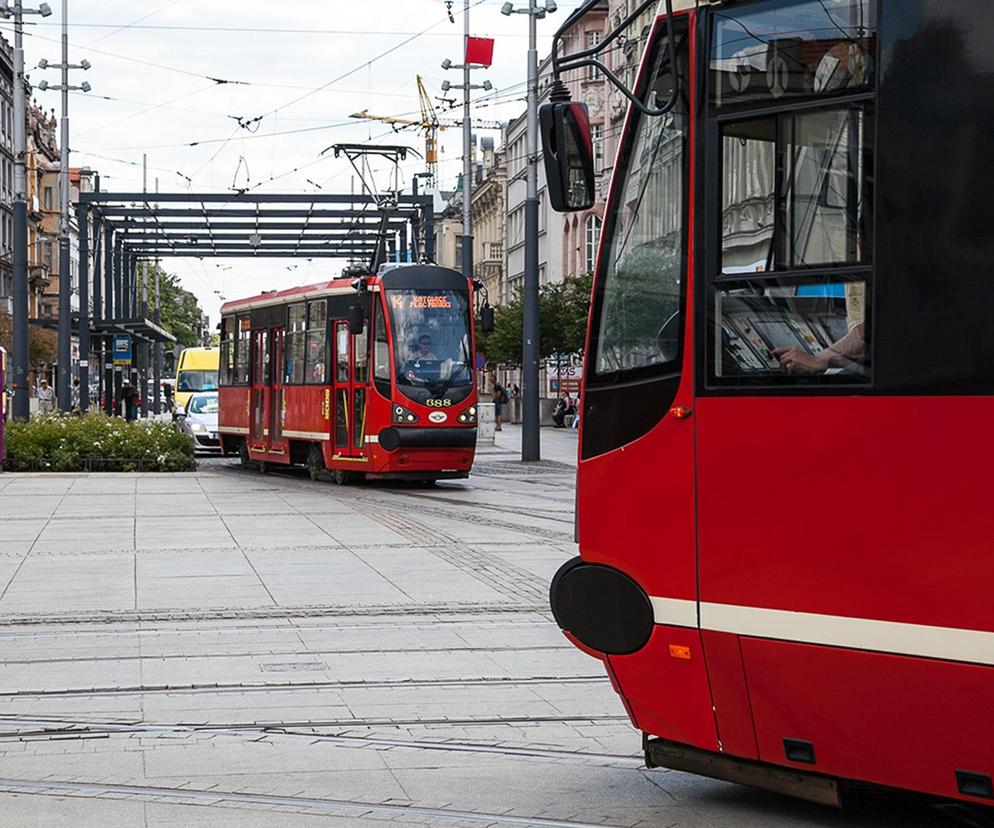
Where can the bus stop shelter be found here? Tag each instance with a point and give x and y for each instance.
(125, 229)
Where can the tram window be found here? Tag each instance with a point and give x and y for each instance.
(294, 344)
(772, 332)
(227, 350)
(342, 352)
(797, 191)
(243, 349)
(638, 316)
(381, 345)
(317, 342)
(361, 345)
(781, 49)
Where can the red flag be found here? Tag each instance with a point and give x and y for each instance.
(480, 50)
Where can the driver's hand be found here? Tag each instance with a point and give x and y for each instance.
(410, 375)
(795, 361)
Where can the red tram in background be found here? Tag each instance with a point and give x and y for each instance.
(784, 512)
(366, 377)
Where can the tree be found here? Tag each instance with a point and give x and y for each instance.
(180, 311)
(563, 310)
(43, 344)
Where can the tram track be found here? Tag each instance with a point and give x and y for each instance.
(215, 796)
(271, 687)
(57, 729)
(274, 653)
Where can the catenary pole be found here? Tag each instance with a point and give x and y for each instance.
(467, 155)
(65, 258)
(530, 441)
(157, 369)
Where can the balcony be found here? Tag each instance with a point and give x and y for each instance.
(39, 276)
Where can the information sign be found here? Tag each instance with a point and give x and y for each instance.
(122, 349)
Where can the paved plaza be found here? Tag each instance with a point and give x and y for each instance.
(230, 648)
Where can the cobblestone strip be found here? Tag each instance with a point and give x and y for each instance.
(255, 613)
(500, 575)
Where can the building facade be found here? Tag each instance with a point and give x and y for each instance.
(489, 217)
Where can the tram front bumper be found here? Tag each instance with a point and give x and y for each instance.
(391, 439)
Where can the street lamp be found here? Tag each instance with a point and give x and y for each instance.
(467, 139)
(530, 447)
(65, 286)
(22, 401)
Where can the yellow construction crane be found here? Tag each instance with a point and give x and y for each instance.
(429, 123)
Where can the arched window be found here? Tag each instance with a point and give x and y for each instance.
(593, 237)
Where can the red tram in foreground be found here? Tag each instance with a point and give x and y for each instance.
(367, 377)
(784, 511)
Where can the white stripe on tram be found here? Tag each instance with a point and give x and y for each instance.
(921, 640)
(307, 435)
(233, 430)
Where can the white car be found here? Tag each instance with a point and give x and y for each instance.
(199, 421)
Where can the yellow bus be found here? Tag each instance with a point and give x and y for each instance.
(196, 370)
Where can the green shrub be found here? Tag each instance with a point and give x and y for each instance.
(96, 442)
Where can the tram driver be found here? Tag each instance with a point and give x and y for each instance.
(421, 363)
(845, 353)
(423, 350)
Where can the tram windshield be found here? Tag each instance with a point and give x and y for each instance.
(432, 350)
(638, 316)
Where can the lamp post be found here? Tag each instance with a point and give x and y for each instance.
(65, 257)
(467, 141)
(530, 444)
(21, 361)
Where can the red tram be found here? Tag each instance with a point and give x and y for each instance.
(367, 377)
(784, 511)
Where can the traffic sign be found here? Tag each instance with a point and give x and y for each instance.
(122, 349)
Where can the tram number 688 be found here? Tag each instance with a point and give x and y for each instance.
(438, 403)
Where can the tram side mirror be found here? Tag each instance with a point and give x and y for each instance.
(486, 319)
(357, 319)
(569, 156)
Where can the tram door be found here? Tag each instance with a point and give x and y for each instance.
(276, 392)
(267, 391)
(261, 379)
(351, 374)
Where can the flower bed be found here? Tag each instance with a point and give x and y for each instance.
(96, 443)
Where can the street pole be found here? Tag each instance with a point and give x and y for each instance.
(21, 357)
(157, 370)
(65, 277)
(467, 155)
(530, 441)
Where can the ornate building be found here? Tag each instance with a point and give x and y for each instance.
(489, 217)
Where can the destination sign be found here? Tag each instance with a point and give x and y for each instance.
(420, 302)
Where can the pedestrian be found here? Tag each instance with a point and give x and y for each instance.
(515, 391)
(129, 395)
(74, 397)
(564, 407)
(46, 397)
(500, 400)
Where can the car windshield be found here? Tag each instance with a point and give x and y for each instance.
(197, 381)
(431, 343)
(203, 405)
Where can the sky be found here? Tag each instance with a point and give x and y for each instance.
(303, 65)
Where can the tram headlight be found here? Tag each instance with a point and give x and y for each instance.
(403, 415)
(468, 416)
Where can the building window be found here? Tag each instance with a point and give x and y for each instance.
(593, 237)
(47, 255)
(593, 38)
(48, 198)
(597, 141)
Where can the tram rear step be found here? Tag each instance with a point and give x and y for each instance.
(813, 787)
